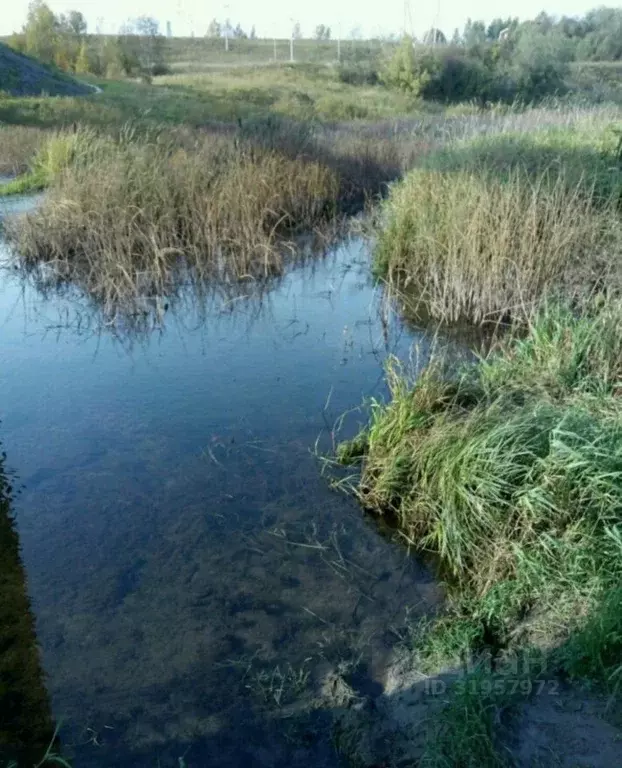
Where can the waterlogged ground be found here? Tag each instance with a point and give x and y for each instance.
(194, 579)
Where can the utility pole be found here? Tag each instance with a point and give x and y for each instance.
(408, 20)
(291, 42)
(274, 41)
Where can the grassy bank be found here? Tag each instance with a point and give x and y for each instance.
(509, 472)
(491, 225)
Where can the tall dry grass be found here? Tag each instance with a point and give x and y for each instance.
(18, 145)
(472, 245)
(125, 213)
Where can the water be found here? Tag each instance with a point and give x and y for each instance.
(193, 576)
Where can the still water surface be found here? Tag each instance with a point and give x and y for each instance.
(192, 575)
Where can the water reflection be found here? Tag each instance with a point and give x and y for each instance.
(25, 718)
(195, 580)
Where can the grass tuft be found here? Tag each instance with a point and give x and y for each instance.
(473, 246)
(510, 472)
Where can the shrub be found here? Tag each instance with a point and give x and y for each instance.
(403, 70)
(539, 64)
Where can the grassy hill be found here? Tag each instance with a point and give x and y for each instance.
(22, 76)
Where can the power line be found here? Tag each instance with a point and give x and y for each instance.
(408, 19)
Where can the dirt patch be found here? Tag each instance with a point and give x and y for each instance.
(391, 728)
(567, 729)
(563, 727)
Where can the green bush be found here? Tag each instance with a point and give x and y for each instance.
(405, 71)
(539, 64)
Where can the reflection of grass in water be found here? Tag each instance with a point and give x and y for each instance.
(51, 757)
(26, 723)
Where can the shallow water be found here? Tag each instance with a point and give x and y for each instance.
(192, 574)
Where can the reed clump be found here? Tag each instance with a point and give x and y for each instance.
(472, 245)
(128, 211)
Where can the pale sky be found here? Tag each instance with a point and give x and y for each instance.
(272, 17)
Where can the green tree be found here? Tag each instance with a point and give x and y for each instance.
(474, 33)
(83, 64)
(112, 61)
(41, 32)
(322, 32)
(404, 71)
(435, 37)
(539, 64)
(214, 29)
(76, 23)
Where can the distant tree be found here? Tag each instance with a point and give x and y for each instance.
(434, 37)
(112, 62)
(474, 33)
(239, 33)
(142, 47)
(83, 64)
(456, 38)
(540, 62)
(151, 47)
(497, 26)
(322, 32)
(41, 32)
(544, 22)
(76, 23)
(214, 29)
(253, 34)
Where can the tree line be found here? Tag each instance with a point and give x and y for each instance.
(505, 60)
(61, 41)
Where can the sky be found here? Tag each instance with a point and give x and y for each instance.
(273, 17)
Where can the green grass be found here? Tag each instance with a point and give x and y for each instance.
(509, 471)
(297, 91)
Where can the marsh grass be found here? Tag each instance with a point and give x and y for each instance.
(51, 157)
(125, 213)
(18, 145)
(509, 472)
(473, 246)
